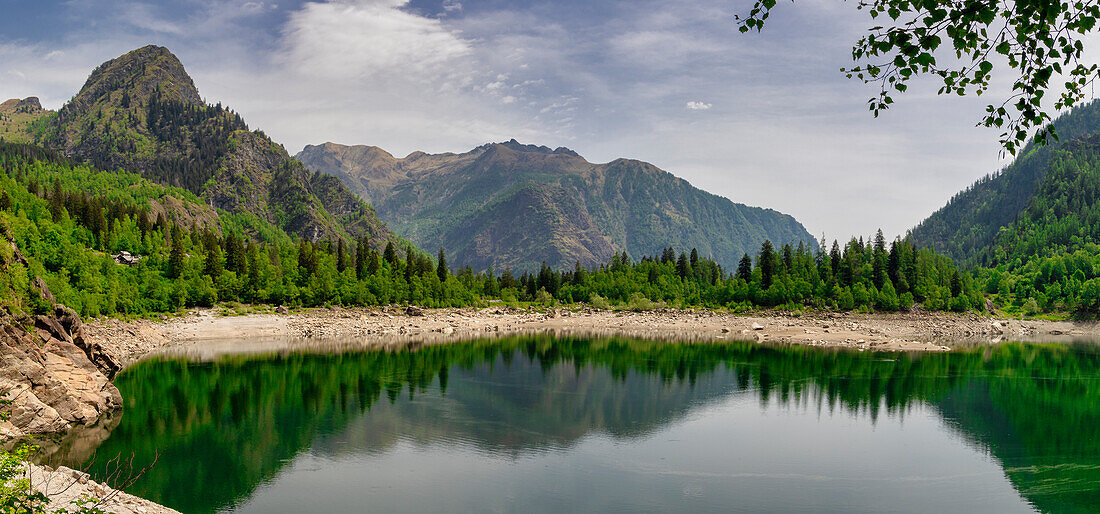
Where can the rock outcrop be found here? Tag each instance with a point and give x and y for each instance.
(26, 105)
(55, 376)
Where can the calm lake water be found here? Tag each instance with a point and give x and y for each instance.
(537, 424)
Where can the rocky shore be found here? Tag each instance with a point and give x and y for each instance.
(209, 332)
(64, 486)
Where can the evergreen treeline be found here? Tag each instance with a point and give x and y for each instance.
(71, 220)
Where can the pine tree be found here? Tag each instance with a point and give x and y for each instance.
(175, 259)
(390, 254)
(341, 256)
(56, 202)
(362, 256)
(893, 263)
(744, 268)
(374, 262)
(410, 264)
(835, 259)
(767, 264)
(441, 267)
(507, 279)
(214, 265)
(143, 220)
(879, 260)
(788, 259)
(579, 274)
(683, 267)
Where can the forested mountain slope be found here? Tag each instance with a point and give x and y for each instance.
(509, 205)
(141, 112)
(1033, 229)
(969, 224)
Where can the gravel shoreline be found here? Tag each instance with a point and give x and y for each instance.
(206, 332)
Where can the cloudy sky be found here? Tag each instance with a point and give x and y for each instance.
(763, 119)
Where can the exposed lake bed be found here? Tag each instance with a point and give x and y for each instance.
(923, 331)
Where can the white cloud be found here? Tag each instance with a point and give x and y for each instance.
(608, 81)
(258, 7)
(143, 16)
(370, 39)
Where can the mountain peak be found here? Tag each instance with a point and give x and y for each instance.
(516, 146)
(140, 73)
(28, 104)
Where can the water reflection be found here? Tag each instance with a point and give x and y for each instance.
(248, 432)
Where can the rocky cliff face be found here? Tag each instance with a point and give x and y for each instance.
(511, 205)
(55, 376)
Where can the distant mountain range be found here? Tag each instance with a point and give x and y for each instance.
(1045, 201)
(505, 205)
(514, 206)
(141, 112)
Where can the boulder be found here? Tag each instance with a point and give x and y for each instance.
(996, 328)
(413, 310)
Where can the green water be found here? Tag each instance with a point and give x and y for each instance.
(537, 424)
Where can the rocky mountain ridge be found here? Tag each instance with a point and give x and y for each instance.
(511, 205)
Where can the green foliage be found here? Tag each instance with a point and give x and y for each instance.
(638, 302)
(17, 494)
(955, 43)
(1031, 307)
(599, 302)
(70, 236)
(972, 220)
(543, 297)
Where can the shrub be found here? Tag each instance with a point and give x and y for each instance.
(544, 297)
(638, 302)
(1031, 307)
(599, 302)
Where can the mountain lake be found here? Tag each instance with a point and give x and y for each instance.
(545, 424)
